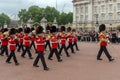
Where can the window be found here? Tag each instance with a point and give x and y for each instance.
(110, 7)
(103, 17)
(95, 9)
(86, 18)
(118, 6)
(118, 16)
(110, 16)
(81, 9)
(103, 8)
(77, 19)
(81, 18)
(86, 9)
(77, 10)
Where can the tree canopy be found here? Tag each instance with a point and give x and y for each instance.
(50, 13)
(4, 19)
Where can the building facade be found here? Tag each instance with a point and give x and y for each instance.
(91, 13)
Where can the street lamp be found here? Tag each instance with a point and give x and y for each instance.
(97, 24)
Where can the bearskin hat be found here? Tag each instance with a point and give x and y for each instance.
(12, 31)
(32, 29)
(5, 29)
(2, 30)
(69, 29)
(47, 27)
(39, 29)
(27, 30)
(62, 28)
(20, 30)
(102, 27)
(53, 29)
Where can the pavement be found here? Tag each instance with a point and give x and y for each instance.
(80, 66)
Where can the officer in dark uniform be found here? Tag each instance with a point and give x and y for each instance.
(103, 43)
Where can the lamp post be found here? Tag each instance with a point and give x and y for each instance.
(97, 24)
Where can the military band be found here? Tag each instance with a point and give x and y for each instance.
(22, 40)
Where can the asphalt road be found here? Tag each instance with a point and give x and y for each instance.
(80, 66)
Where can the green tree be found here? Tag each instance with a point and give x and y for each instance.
(23, 15)
(4, 18)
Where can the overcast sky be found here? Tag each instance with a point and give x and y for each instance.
(11, 7)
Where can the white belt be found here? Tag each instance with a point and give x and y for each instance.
(63, 39)
(12, 44)
(40, 44)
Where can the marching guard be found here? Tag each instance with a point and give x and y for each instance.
(4, 42)
(63, 42)
(54, 44)
(26, 43)
(70, 40)
(20, 36)
(12, 46)
(103, 43)
(40, 44)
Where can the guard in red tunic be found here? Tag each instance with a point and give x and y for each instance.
(20, 36)
(103, 43)
(33, 39)
(4, 42)
(40, 45)
(26, 43)
(75, 38)
(54, 44)
(12, 46)
(70, 40)
(63, 39)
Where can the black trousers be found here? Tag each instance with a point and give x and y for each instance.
(75, 44)
(48, 44)
(4, 49)
(27, 49)
(40, 56)
(56, 53)
(71, 47)
(20, 47)
(65, 49)
(33, 44)
(12, 54)
(103, 48)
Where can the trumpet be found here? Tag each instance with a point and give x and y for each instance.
(6, 34)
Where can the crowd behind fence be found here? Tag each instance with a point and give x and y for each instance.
(92, 36)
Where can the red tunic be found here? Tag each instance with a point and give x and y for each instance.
(70, 38)
(40, 42)
(75, 38)
(4, 41)
(12, 43)
(102, 36)
(54, 42)
(21, 37)
(63, 39)
(26, 40)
